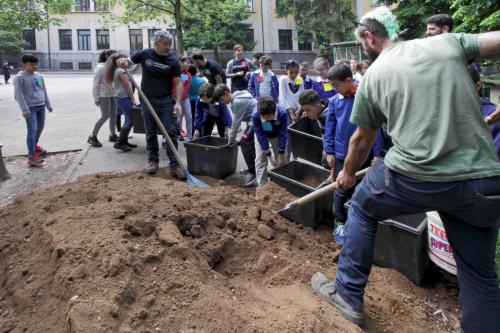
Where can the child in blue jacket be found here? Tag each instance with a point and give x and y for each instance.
(338, 132)
(270, 122)
(209, 112)
(264, 82)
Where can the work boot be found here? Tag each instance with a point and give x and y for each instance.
(327, 291)
(92, 140)
(35, 160)
(250, 179)
(152, 168)
(177, 173)
(121, 144)
(131, 145)
(338, 234)
(40, 150)
(113, 138)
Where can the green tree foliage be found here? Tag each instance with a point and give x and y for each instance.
(412, 14)
(216, 24)
(137, 11)
(11, 40)
(322, 21)
(476, 16)
(24, 14)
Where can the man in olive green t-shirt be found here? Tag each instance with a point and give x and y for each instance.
(443, 159)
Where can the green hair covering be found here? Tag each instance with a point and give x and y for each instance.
(384, 16)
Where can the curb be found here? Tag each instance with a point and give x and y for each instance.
(68, 175)
(48, 153)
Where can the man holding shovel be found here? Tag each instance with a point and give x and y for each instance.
(160, 71)
(443, 159)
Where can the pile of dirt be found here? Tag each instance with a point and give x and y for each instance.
(131, 253)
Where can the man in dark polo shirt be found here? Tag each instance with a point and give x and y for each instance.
(160, 71)
(210, 69)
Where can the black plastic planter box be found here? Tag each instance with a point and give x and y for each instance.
(305, 136)
(211, 156)
(401, 244)
(301, 179)
(139, 121)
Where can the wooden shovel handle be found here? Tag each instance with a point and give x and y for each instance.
(322, 191)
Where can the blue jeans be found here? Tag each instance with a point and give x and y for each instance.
(470, 211)
(340, 196)
(164, 108)
(35, 126)
(124, 106)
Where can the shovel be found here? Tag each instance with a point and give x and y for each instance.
(190, 179)
(314, 195)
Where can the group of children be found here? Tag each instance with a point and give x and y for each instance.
(268, 106)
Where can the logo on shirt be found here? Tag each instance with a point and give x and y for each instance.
(149, 62)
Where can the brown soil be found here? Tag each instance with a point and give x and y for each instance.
(131, 253)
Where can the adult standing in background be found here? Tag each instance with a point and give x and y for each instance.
(238, 69)
(438, 24)
(210, 69)
(6, 71)
(161, 71)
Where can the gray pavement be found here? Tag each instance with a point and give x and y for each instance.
(68, 127)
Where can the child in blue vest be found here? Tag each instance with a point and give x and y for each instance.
(322, 85)
(270, 122)
(209, 112)
(264, 82)
(338, 131)
(487, 108)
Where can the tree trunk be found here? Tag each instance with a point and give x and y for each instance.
(217, 55)
(178, 28)
(4, 174)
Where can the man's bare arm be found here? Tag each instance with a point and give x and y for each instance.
(489, 44)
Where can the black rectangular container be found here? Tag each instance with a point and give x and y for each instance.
(138, 122)
(211, 156)
(401, 244)
(305, 136)
(300, 179)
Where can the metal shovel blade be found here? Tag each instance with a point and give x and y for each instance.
(194, 181)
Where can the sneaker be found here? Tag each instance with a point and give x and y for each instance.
(177, 173)
(35, 160)
(121, 146)
(327, 291)
(131, 145)
(338, 234)
(180, 138)
(152, 168)
(113, 138)
(92, 140)
(41, 150)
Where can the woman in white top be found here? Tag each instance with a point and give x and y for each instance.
(103, 94)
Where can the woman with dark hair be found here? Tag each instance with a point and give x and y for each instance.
(124, 98)
(103, 94)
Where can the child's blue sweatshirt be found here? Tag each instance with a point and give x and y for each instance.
(338, 128)
(202, 113)
(253, 85)
(319, 87)
(279, 129)
(489, 108)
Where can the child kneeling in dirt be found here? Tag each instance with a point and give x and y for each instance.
(209, 112)
(31, 95)
(270, 122)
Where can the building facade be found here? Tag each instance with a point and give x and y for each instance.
(75, 43)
